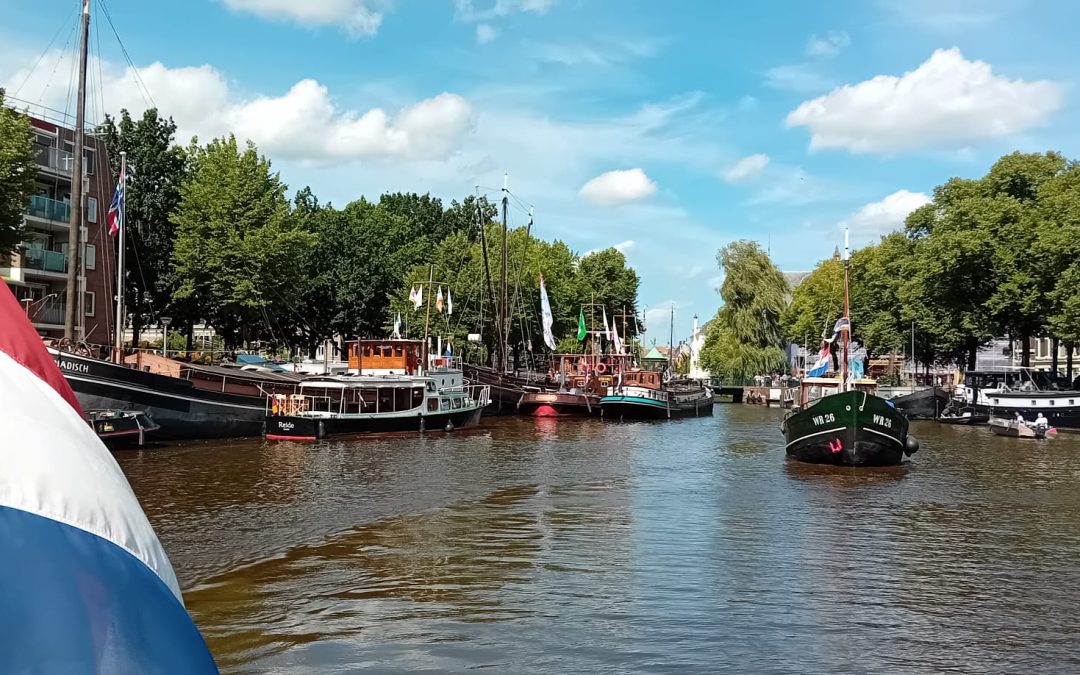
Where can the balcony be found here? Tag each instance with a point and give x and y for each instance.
(49, 209)
(58, 161)
(51, 313)
(36, 257)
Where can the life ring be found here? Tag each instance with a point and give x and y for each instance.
(601, 368)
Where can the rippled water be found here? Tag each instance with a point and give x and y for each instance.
(535, 546)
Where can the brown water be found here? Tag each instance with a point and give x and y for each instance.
(578, 546)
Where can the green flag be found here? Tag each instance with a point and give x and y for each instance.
(581, 330)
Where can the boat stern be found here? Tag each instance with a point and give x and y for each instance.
(286, 428)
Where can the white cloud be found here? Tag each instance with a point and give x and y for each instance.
(303, 123)
(622, 247)
(947, 102)
(601, 53)
(884, 216)
(801, 78)
(746, 167)
(951, 16)
(356, 15)
(830, 44)
(618, 187)
(466, 10)
(485, 33)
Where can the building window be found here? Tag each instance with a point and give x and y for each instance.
(90, 257)
(89, 302)
(91, 209)
(89, 164)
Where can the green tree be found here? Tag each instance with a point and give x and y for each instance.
(238, 253)
(746, 337)
(816, 303)
(157, 170)
(17, 174)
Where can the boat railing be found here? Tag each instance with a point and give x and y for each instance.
(481, 393)
(292, 405)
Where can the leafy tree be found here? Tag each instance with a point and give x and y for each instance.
(746, 338)
(157, 167)
(17, 172)
(816, 303)
(238, 253)
(877, 319)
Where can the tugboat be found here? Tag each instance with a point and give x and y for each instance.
(842, 421)
(389, 392)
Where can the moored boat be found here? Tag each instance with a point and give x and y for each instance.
(1024, 392)
(390, 394)
(580, 384)
(121, 427)
(922, 404)
(963, 416)
(642, 394)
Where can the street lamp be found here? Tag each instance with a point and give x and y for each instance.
(165, 320)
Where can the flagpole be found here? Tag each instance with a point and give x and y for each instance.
(122, 187)
(847, 315)
(427, 315)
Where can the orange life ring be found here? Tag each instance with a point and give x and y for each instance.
(601, 368)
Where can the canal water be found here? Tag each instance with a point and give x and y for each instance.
(534, 546)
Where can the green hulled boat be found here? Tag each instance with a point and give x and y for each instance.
(841, 420)
(847, 428)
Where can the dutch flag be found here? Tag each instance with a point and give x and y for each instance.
(86, 586)
(821, 366)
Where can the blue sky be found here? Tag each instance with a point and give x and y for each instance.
(666, 132)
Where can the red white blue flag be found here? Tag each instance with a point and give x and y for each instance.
(116, 208)
(85, 584)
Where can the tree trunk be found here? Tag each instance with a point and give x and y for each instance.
(1054, 355)
(973, 355)
(1025, 350)
(190, 337)
(1069, 346)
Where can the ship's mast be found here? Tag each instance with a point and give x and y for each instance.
(847, 315)
(504, 325)
(120, 286)
(74, 256)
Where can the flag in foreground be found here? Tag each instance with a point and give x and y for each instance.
(86, 586)
(581, 330)
(115, 217)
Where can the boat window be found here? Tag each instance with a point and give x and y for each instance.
(1051, 401)
(386, 400)
(402, 398)
(432, 404)
(1072, 401)
(1032, 401)
(444, 404)
(417, 397)
(457, 403)
(369, 396)
(399, 351)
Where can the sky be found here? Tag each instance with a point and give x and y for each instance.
(666, 130)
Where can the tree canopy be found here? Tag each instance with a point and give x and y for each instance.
(17, 172)
(746, 337)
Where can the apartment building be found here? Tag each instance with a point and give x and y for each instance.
(37, 271)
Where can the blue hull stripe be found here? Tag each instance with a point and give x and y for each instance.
(76, 603)
(633, 399)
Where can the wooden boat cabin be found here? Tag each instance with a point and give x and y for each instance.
(586, 372)
(813, 389)
(385, 357)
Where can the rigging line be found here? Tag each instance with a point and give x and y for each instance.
(40, 58)
(143, 90)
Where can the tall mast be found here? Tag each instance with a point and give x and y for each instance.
(504, 327)
(671, 343)
(120, 286)
(74, 256)
(487, 276)
(427, 314)
(847, 315)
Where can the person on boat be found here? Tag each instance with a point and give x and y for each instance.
(1041, 423)
(1020, 418)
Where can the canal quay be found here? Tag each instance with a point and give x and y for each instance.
(530, 546)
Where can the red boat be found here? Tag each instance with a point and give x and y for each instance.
(583, 379)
